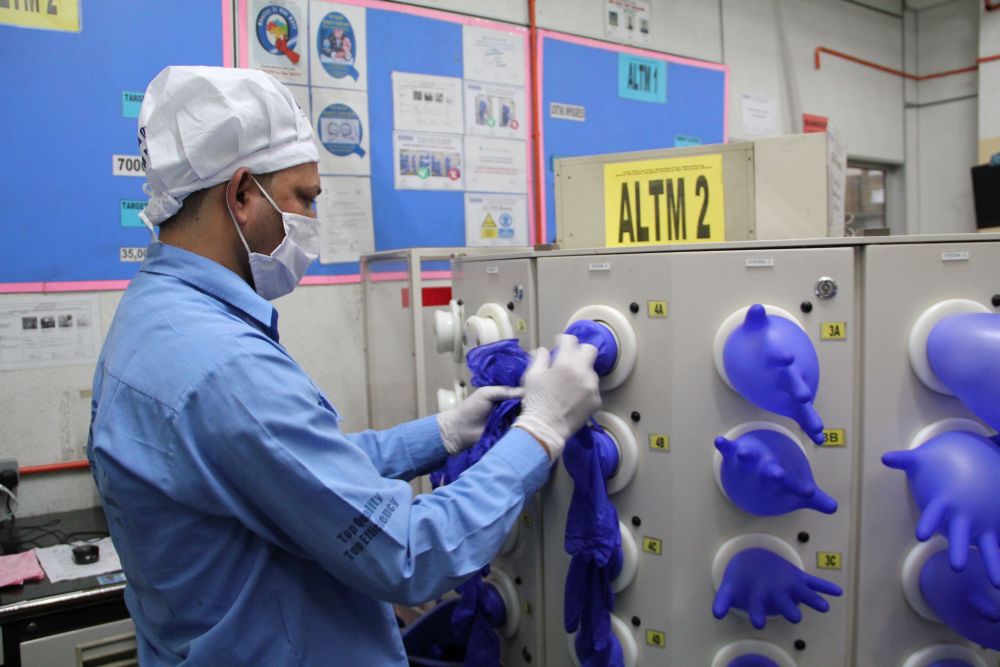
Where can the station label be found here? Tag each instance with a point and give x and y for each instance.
(659, 442)
(829, 560)
(656, 309)
(652, 545)
(656, 638)
(833, 331)
(834, 437)
(127, 165)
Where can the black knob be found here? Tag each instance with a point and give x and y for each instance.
(995, 300)
(806, 306)
(517, 580)
(460, 302)
(800, 645)
(31, 628)
(636, 621)
(510, 305)
(803, 537)
(636, 521)
(526, 654)
(634, 307)
(636, 416)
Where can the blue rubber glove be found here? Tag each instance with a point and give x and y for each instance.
(480, 610)
(772, 363)
(953, 480)
(964, 352)
(965, 601)
(589, 332)
(763, 584)
(593, 542)
(765, 473)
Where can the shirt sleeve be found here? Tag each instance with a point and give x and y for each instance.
(255, 442)
(404, 451)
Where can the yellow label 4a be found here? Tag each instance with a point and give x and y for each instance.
(657, 309)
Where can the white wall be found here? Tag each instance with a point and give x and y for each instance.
(768, 45)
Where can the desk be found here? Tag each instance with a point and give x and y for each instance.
(42, 609)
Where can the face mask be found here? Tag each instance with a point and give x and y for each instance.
(277, 274)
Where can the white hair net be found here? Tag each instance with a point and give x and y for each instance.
(198, 125)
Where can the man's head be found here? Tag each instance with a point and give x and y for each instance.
(208, 136)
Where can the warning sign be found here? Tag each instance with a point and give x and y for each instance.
(488, 230)
(654, 202)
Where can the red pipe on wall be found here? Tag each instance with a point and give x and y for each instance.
(536, 128)
(897, 72)
(55, 467)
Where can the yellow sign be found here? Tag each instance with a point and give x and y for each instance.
(828, 560)
(653, 202)
(522, 326)
(657, 308)
(659, 442)
(652, 545)
(527, 520)
(45, 14)
(488, 230)
(834, 437)
(656, 638)
(833, 330)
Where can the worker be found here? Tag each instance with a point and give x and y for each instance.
(251, 530)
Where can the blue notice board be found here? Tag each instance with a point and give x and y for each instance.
(63, 118)
(602, 98)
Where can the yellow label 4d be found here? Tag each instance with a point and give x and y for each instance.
(652, 545)
(834, 437)
(833, 331)
(656, 638)
(659, 442)
(657, 309)
(828, 560)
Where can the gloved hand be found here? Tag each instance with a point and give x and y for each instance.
(762, 583)
(559, 396)
(462, 426)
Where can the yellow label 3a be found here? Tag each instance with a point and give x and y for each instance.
(833, 331)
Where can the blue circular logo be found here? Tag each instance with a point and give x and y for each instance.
(506, 220)
(278, 31)
(337, 46)
(340, 130)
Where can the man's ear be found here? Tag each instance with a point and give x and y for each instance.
(239, 194)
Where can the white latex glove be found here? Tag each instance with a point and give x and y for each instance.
(463, 426)
(559, 398)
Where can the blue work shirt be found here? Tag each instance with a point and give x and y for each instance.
(251, 530)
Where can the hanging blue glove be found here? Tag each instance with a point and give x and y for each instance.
(752, 660)
(480, 610)
(964, 352)
(594, 333)
(763, 584)
(772, 363)
(965, 601)
(593, 542)
(953, 479)
(765, 473)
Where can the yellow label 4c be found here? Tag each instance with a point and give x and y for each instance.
(656, 638)
(652, 545)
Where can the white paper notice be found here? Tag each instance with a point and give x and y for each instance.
(340, 119)
(58, 562)
(338, 56)
(627, 20)
(40, 331)
(759, 118)
(426, 103)
(491, 55)
(495, 165)
(496, 220)
(345, 214)
(494, 110)
(427, 161)
(836, 177)
(277, 31)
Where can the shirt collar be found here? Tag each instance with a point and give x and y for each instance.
(213, 279)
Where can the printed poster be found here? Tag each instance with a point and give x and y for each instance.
(340, 120)
(496, 220)
(427, 161)
(38, 331)
(277, 34)
(338, 50)
(344, 210)
(627, 21)
(495, 110)
(426, 103)
(758, 115)
(493, 56)
(496, 165)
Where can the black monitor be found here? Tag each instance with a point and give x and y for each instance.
(986, 190)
